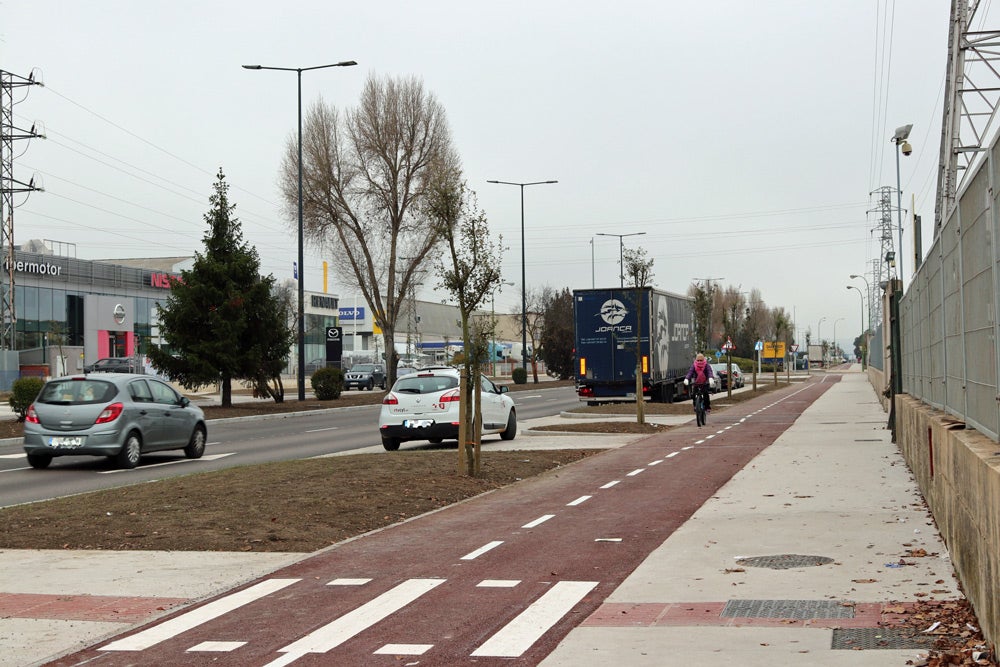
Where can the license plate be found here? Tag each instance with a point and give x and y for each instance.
(418, 423)
(66, 442)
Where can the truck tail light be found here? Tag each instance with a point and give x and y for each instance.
(586, 392)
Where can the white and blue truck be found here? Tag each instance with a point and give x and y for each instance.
(620, 330)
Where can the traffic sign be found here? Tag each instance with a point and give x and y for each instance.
(718, 353)
(758, 346)
(795, 348)
(728, 345)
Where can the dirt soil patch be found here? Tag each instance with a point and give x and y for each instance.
(297, 506)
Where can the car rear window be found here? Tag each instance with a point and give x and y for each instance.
(77, 392)
(363, 368)
(425, 384)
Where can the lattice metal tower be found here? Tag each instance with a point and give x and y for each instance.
(882, 230)
(9, 186)
(971, 100)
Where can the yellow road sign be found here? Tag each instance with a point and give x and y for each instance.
(772, 350)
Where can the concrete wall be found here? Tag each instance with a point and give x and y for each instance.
(958, 472)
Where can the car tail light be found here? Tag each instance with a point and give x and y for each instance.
(452, 396)
(110, 413)
(390, 399)
(31, 417)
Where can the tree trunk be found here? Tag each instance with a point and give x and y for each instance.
(227, 392)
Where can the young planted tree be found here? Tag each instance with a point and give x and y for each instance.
(470, 271)
(638, 274)
(781, 325)
(367, 173)
(534, 319)
(704, 298)
(558, 334)
(220, 320)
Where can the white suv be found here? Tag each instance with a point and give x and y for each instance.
(424, 406)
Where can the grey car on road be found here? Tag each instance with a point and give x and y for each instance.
(121, 416)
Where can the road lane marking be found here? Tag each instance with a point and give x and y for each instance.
(579, 501)
(635, 472)
(220, 647)
(539, 521)
(13, 456)
(404, 649)
(527, 627)
(672, 455)
(318, 430)
(481, 550)
(610, 484)
(655, 463)
(700, 442)
(197, 617)
(337, 632)
(684, 449)
(348, 582)
(210, 457)
(608, 539)
(498, 583)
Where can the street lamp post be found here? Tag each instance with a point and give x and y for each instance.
(835, 334)
(900, 140)
(524, 288)
(864, 331)
(621, 252)
(822, 352)
(868, 288)
(493, 323)
(301, 261)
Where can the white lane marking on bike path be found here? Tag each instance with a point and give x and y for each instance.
(578, 501)
(197, 617)
(610, 484)
(472, 555)
(539, 521)
(527, 627)
(635, 472)
(340, 630)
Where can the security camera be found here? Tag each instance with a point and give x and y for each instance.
(906, 148)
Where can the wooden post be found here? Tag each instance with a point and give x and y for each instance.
(462, 453)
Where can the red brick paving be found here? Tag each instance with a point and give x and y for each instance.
(106, 608)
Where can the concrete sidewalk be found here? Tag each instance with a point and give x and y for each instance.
(833, 489)
(831, 497)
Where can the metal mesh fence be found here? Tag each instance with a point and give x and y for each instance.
(948, 320)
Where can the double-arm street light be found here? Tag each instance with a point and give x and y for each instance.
(524, 289)
(835, 348)
(868, 288)
(621, 251)
(300, 267)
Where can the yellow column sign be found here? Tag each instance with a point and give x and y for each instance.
(772, 350)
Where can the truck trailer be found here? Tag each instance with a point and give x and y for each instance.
(613, 324)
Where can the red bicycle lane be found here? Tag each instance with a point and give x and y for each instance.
(499, 578)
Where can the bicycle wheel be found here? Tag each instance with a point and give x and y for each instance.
(699, 410)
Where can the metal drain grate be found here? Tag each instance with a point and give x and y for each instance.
(853, 639)
(784, 561)
(793, 609)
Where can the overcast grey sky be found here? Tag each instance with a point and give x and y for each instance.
(742, 137)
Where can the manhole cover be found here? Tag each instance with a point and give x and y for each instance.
(784, 561)
(792, 609)
(853, 639)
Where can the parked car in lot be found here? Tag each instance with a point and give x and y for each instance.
(424, 406)
(723, 375)
(365, 376)
(121, 416)
(315, 365)
(405, 370)
(113, 365)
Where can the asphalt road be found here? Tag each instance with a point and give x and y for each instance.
(232, 443)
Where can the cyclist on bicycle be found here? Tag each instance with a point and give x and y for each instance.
(701, 374)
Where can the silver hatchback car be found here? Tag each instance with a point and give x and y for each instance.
(121, 416)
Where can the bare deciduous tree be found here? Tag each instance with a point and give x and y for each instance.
(534, 318)
(638, 273)
(366, 172)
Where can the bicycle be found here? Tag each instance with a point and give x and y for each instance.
(699, 404)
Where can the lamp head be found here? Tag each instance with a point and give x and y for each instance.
(906, 148)
(890, 258)
(902, 133)
(251, 67)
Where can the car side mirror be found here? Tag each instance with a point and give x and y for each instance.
(185, 401)
(504, 389)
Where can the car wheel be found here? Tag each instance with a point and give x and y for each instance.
(39, 461)
(371, 385)
(390, 444)
(130, 452)
(511, 430)
(196, 446)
